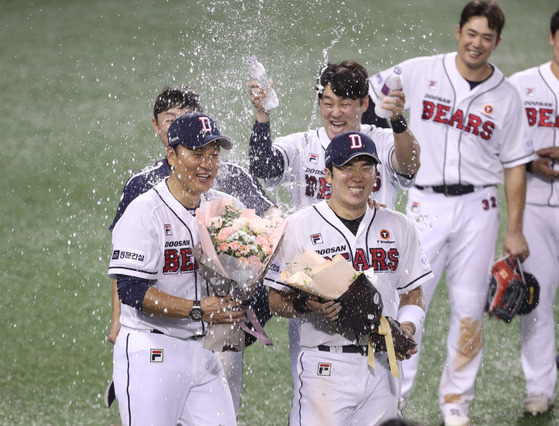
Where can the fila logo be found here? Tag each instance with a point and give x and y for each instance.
(313, 158)
(206, 125)
(316, 239)
(156, 355)
(324, 369)
(356, 142)
(168, 231)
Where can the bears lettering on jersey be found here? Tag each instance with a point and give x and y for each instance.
(179, 261)
(379, 259)
(474, 124)
(542, 117)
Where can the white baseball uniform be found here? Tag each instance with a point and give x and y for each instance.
(539, 89)
(303, 156)
(467, 137)
(333, 387)
(155, 383)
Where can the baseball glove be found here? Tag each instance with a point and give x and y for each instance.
(401, 343)
(361, 307)
(507, 290)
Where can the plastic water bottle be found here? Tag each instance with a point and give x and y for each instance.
(393, 82)
(258, 74)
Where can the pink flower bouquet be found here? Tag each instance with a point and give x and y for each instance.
(235, 250)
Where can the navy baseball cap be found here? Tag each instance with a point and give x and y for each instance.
(348, 145)
(194, 130)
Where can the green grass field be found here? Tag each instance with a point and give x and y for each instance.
(78, 80)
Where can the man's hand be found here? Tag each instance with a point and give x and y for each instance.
(329, 310)
(542, 166)
(395, 102)
(256, 94)
(222, 310)
(515, 245)
(408, 328)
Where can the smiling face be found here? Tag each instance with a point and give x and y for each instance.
(339, 114)
(192, 172)
(352, 184)
(476, 42)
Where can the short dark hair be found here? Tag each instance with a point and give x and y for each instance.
(347, 80)
(490, 9)
(176, 96)
(554, 25)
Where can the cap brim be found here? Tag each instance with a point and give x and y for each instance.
(224, 142)
(357, 154)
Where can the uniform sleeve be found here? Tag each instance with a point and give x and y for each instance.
(135, 244)
(408, 67)
(413, 261)
(515, 148)
(265, 161)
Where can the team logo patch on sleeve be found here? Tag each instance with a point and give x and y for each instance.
(156, 355)
(324, 369)
(316, 239)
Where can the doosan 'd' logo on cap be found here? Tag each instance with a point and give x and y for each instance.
(206, 124)
(356, 142)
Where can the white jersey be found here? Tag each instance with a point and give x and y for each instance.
(154, 240)
(303, 156)
(386, 244)
(467, 136)
(539, 89)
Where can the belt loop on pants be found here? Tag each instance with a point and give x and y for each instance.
(452, 190)
(347, 349)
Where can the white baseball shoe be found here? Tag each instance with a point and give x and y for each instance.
(537, 403)
(455, 416)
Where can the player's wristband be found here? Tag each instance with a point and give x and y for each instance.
(413, 314)
(399, 125)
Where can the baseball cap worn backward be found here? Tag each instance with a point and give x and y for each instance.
(348, 145)
(194, 130)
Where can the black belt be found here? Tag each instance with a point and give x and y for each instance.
(196, 337)
(348, 349)
(451, 190)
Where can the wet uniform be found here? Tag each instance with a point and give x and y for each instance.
(468, 134)
(162, 374)
(539, 89)
(332, 384)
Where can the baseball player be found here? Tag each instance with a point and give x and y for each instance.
(298, 159)
(468, 119)
(539, 89)
(334, 383)
(162, 373)
(231, 178)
